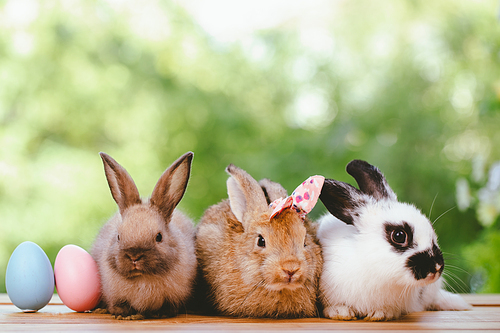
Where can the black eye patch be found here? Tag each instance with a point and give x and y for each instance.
(400, 236)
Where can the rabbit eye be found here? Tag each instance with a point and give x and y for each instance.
(118, 238)
(261, 242)
(159, 237)
(399, 236)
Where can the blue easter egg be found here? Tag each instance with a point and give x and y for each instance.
(29, 279)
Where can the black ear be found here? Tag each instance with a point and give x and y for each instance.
(370, 180)
(341, 199)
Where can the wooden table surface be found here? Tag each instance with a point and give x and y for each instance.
(484, 317)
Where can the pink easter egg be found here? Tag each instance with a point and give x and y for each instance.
(77, 278)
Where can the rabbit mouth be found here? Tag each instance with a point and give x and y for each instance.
(277, 286)
(288, 276)
(286, 282)
(134, 273)
(432, 277)
(136, 268)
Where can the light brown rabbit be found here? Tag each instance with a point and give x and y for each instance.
(254, 265)
(145, 252)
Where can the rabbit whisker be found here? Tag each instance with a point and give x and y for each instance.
(325, 300)
(404, 292)
(432, 205)
(313, 295)
(457, 268)
(458, 282)
(451, 256)
(443, 214)
(259, 284)
(448, 285)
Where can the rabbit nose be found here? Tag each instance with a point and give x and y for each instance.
(290, 273)
(134, 261)
(290, 268)
(135, 258)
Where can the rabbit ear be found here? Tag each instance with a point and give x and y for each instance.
(171, 186)
(245, 194)
(120, 183)
(370, 180)
(341, 199)
(272, 190)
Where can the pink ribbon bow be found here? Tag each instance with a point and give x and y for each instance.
(302, 200)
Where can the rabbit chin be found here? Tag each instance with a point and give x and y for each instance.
(430, 278)
(409, 281)
(134, 273)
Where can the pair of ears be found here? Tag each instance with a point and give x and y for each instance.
(342, 199)
(167, 193)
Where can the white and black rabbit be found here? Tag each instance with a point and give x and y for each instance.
(381, 256)
(145, 253)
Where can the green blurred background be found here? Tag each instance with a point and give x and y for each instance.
(283, 89)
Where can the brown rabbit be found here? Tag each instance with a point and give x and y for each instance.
(254, 265)
(145, 253)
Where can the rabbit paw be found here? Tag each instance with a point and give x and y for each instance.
(340, 312)
(381, 315)
(121, 309)
(136, 316)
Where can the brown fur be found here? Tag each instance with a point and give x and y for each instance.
(252, 281)
(139, 274)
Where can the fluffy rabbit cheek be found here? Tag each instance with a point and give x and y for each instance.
(372, 261)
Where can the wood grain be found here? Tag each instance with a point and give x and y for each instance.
(485, 317)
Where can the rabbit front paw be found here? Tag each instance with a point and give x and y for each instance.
(381, 315)
(121, 309)
(340, 312)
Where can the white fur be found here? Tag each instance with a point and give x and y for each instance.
(362, 274)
